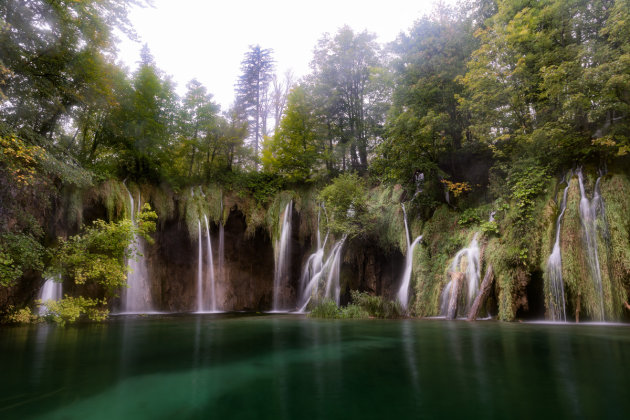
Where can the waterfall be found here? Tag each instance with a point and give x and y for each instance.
(313, 265)
(403, 292)
(51, 290)
(199, 269)
(210, 269)
(320, 278)
(221, 253)
(589, 210)
(556, 303)
(137, 296)
(466, 261)
(282, 254)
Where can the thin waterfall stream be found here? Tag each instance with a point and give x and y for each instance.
(282, 257)
(589, 211)
(466, 261)
(556, 303)
(199, 268)
(210, 268)
(136, 298)
(51, 290)
(403, 291)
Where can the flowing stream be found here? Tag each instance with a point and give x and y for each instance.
(51, 290)
(321, 276)
(556, 303)
(137, 296)
(210, 268)
(589, 211)
(283, 256)
(403, 292)
(466, 261)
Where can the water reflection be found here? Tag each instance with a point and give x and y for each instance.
(291, 367)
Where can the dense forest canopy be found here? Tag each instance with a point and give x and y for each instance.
(489, 99)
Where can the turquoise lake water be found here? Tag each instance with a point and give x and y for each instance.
(232, 366)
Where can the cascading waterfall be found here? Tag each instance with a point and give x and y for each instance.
(282, 254)
(321, 277)
(313, 265)
(466, 261)
(556, 303)
(210, 269)
(199, 268)
(589, 211)
(137, 296)
(403, 292)
(51, 290)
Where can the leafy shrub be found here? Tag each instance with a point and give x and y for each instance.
(70, 309)
(99, 253)
(470, 216)
(20, 316)
(19, 252)
(377, 306)
(353, 311)
(327, 308)
(346, 201)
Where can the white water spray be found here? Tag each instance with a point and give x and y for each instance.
(403, 292)
(137, 296)
(282, 256)
(589, 210)
(556, 303)
(51, 290)
(466, 261)
(321, 277)
(210, 268)
(199, 269)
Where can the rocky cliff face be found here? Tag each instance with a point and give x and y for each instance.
(246, 282)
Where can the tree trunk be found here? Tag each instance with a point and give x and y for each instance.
(456, 289)
(483, 294)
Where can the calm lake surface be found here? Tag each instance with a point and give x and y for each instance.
(291, 367)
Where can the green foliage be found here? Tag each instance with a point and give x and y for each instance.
(346, 201)
(294, 152)
(20, 316)
(526, 185)
(326, 308)
(388, 226)
(363, 306)
(18, 253)
(616, 193)
(70, 309)
(376, 306)
(424, 124)
(262, 186)
(353, 311)
(470, 216)
(99, 254)
(442, 238)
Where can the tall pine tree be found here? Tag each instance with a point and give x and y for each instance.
(251, 90)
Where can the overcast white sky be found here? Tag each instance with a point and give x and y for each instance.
(206, 39)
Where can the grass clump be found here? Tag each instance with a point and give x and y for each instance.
(363, 306)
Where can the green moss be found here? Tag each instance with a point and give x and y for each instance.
(274, 212)
(162, 201)
(111, 193)
(388, 226)
(616, 194)
(442, 238)
(74, 207)
(550, 214)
